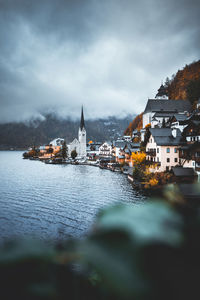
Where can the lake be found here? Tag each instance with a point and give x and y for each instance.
(56, 201)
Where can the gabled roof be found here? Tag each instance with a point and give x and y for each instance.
(156, 105)
(120, 144)
(134, 145)
(180, 117)
(164, 137)
(163, 114)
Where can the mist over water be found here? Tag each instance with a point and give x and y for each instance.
(55, 201)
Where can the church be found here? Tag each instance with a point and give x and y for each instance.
(79, 144)
(163, 108)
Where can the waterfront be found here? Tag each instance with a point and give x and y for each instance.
(55, 201)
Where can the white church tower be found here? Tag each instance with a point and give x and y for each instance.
(82, 137)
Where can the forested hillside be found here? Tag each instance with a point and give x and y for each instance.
(185, 84)
(135, 124)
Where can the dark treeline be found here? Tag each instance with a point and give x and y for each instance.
(23, 135)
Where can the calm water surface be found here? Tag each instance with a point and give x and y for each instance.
(55, 201)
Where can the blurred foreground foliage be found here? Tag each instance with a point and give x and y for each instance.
(149, 251)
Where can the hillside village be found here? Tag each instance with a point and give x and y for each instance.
(166, 149)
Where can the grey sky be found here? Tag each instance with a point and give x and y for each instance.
(108, 55)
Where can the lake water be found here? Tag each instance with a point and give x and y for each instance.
(55, 201)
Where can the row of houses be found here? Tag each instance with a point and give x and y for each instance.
(171, 134)
(170, 137)
(119, 151)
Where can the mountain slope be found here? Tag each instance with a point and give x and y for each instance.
(20, 135)
(185, 84)
(178, 86)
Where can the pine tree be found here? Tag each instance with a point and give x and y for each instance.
(74, 154)
(64, 150)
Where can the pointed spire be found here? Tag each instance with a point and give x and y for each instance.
(82, 123)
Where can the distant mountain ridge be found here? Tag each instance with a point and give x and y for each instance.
(38, 132)
(185, 84)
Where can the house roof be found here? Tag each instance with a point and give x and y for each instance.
(120, 144)
(180, 117)
(163, 114)
(127, 150)
(180, 171)
(164, 137)
(130, 171)
(156, 105)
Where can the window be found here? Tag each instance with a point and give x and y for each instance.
(168, 150)
(175, 159)
(175, 150)
(167, 168)
(168, 159)
(157, 150)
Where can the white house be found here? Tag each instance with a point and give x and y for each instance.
(164, 109)
(179, 121)
(57, 142)
(105, 150)
(163, 148)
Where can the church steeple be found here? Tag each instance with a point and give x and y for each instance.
(82, 137)
(162, 93)
(82, 123)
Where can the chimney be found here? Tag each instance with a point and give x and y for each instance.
(174, 132)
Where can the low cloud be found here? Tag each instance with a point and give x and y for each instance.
(109, 56)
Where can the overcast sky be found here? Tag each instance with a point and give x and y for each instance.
(109, 55)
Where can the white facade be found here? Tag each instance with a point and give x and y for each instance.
(195, 138)
(57, 142)
(82, 142)
(146, 119)
(167, 156)
(105, 150)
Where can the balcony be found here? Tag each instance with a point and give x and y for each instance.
(151, 153)
(151, 163)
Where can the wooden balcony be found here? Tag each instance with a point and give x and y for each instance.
(151, 153)
(151, 163)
